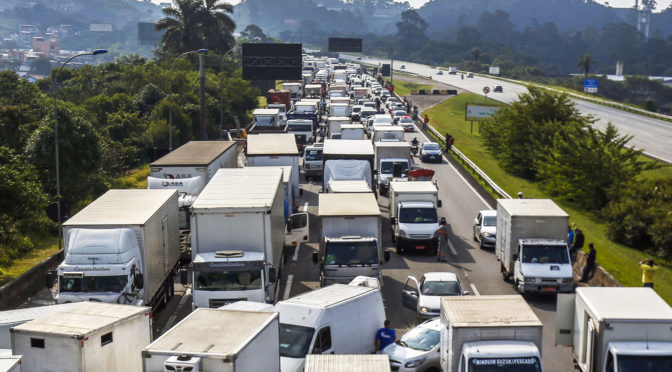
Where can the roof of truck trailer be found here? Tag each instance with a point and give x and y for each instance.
(352, 126)
(265, 112)
(250, 187)
(387, 128)
(348, 204)
(194, 153)
(350, 147)
(350, 363)
(488, 311)
(272, 144)
(392, 144)
(123, 207)
(349, 186)
(286, 171)
(626, 303)
(326, 296)
(413, 186)
(532, 207)
(82, 318)
(213, 331)
(338, 118)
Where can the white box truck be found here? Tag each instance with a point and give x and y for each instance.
(616, 329)
(489, 333)
(238, 230)
(334, 124)
(353, 132)
(348, 363)
(10, 363)
(214, 340)
(272, 149)
(88, 337)
(13, 318)
(531, 245)
(350, 243)
(338, 319)
(414, 219)
(347, 160)
(393, 160)
(387, 133)
(124, 248)
(189, 168)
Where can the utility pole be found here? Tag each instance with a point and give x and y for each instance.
(392, 67)
(201, 68)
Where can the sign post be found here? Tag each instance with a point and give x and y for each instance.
(478, 112)
(486, 90)
(590, 86)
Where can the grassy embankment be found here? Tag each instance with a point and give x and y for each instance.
(618, 259)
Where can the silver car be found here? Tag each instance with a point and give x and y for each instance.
(418, 349)
(485, 228)
(424, 296)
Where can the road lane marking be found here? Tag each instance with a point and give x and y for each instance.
(452, 249)
(288, 286)
(305, 207)
(295, 256)
(171, 320)
(473, 287)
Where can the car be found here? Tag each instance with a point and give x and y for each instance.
(440, 72)
(485, 228)
(470, 75)
(359, 58)
(398, 114)
(418, 349)
(407, 123)
(354, 113)
(431, 151)
(424, 296)
(498, 89)
(403, 67)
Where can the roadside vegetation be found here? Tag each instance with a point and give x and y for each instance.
(623, 207)
(404, 88)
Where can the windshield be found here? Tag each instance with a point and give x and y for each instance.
(421, 338)
(406, 121)
(356, 109)
(417, 215)
(351, 253)
(490, 221)
(431, 146)
(388, 167)
(265, 121)
(530, 364)
(300, 128)
(545, 254)
(228, 280)
(305, 109)
(644, 363)
(443, 288)
(93, 284)
(313, 154)
(367, 113)
(295, 340)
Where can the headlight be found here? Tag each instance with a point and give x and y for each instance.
(403, 234)
(486, 235)
(415, 363)
(530, 280)
(424, 310)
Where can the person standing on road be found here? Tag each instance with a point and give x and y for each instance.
(424, 124)
(449, 141)
(570, 236)
(385, 336)
(590, 264)
(442, 232)
(649, 268)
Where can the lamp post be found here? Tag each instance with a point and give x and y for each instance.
(221, 95)
(58, 170)
(170, 91)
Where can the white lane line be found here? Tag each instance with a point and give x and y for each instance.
(305, 207)
(452, 249)
(295, 256)
(171, 320)
(473, 287)
(288, 286)
(459, 174)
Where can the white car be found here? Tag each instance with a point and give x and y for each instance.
(418, 349)
(424, 296)
(485, 228)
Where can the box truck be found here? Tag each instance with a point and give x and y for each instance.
(387, 133)
(616, 329)
(531, 245)
(124, 248)
(350, 243)
(345, 160)
(13, 318)
(267, 121)
(90, 336)
(189, 168)
(10, 363)
(334, 124)
(214, 340)
(414, 219)
(280, 96)
(338, 319)
(353, 132)
(393, 160)
(349, 363)
(272, 149)
(489, 333)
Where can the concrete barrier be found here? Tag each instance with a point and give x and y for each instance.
(601, 278)
(25, 285)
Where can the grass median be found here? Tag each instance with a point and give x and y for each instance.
(619, 260)
(403, 88)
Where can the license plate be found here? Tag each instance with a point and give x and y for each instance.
(432, 157)
(548, 289)
(419, 247)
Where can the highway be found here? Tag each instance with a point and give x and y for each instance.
(652, 135)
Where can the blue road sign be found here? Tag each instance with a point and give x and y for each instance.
(590, 86)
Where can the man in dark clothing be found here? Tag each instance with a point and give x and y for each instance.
(590, 264)
(385, 336)
(579, 239)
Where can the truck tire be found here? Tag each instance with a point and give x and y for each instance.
(505, 275)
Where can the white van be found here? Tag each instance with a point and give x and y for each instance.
(338, 319)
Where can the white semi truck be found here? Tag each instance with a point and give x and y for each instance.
(489, 333)
(616, 329)
(122, 248)
(532, 245)
(391, 157)
(414, 219)
(350, 243)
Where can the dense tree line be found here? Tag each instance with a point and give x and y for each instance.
(542, 137)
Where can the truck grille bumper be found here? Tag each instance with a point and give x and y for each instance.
(215, 303)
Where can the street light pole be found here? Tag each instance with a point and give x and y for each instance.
(56, 157)
(170, 91)
(221, 95)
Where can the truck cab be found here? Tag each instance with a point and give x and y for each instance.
(267, 120)
(312, 160)
(282, 108)
(414, 215)
(303, 132)
(543, 266)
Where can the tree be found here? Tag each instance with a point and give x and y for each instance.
(475, 54)
(584, 63)
(254, 34)
(41, 66)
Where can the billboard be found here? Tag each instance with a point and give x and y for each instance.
(493, 70)
(340, 44)
(100, 27)
(479, 111)
(385, 69)
(272, 61)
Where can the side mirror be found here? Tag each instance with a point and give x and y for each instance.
(300, 192)
(476, 222)
(289, 225)
(272, 274)
(184, 277)
(139, 281)
(515, 256)
(439, 203)
(393, 220)
(442, 220)
(386, 254)
(465, 293)
(49, 279)
(316, 257)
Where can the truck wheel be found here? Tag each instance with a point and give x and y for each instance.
(171, 290)
(480, 244)
(505, 276)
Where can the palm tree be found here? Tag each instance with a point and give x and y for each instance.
(195, 24)
(584, 63)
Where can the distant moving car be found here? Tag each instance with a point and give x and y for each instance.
(470, 75)
(431, 151)
(407, 123)
(498, 89)
(440, 72)
(359, 58)
(424, 296)
(418, 349)
(485, 228)
(403, 67)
